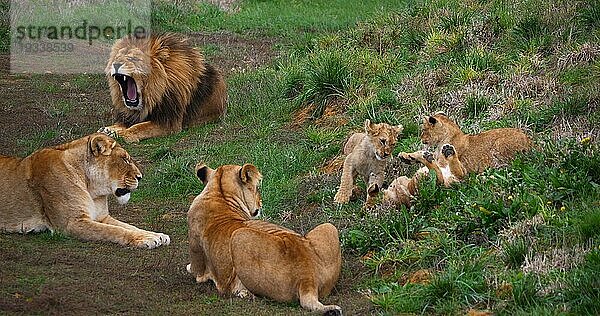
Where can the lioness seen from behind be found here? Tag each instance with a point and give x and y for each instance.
(243, 256)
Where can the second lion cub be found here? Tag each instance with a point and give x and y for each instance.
(366, 155)
(477, 152)
(457, 154)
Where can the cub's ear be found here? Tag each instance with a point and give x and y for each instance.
(203, 172)
(399, 129)
(368, 126)
(100, 144)
(373, 190)
(432, 120)
(249, 173)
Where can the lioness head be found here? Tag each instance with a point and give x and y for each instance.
(239, 185)
(438, 128)
(112, 167)
(383, 137)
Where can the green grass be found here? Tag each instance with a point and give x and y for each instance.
(37, 141)
(271, 18)
(60, 108)
(4, 26)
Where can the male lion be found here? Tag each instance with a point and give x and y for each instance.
(458, 154)
(366, 155)
(65, 188)
(243, 256)
(160, 84)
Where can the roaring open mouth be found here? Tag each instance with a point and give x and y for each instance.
(129, 90)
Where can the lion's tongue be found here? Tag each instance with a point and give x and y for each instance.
(131, 90)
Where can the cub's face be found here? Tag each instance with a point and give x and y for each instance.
(383, 137)
(240, 185)
(437, 128)
(114, 166)
(127, 69)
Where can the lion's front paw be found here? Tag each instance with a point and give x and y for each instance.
(108, 131)
(448, 150)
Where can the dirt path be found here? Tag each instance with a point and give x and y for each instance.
(43, 274)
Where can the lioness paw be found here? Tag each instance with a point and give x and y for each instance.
(448, 150)
(245, 294)
(165, 239)
(153, 240)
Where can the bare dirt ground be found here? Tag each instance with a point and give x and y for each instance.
(50, 275)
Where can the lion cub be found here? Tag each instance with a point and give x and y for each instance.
(494, 148)
(366, 155)
(448, 169)
(460, 154)
(243, 256)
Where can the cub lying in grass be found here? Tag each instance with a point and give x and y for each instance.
(447, 167)
(243, 256)
(366, 155)
(460, 154)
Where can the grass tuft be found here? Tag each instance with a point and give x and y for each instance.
(515, 252)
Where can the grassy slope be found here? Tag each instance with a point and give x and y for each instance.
(520, 239)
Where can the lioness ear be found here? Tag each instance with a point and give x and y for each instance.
(101, 145)
(203, 172)
(249, 173)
